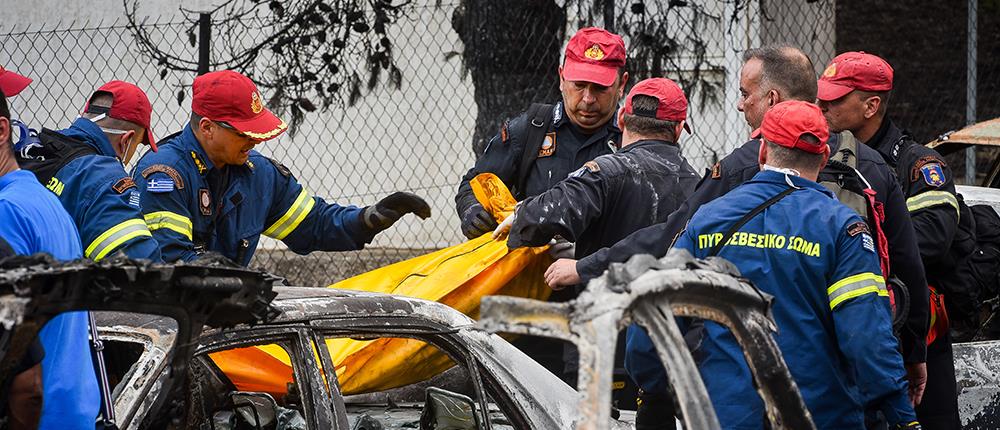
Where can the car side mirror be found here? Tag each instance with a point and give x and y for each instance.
(256, 409)
(445, 410)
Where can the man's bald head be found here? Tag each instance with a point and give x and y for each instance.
(786, 69)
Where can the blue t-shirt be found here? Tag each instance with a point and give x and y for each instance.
(34, 221)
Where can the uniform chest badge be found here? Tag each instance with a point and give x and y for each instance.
(933, 174)
(548, 146)
(717, 171)
(204, 202)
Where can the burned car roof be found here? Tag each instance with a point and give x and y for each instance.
(300, 304)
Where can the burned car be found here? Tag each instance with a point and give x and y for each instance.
(652, 292)
(163, 372)
(162, 375)
(501, 388)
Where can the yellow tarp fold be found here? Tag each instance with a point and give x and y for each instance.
(458, 276)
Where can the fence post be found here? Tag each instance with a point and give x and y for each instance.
(204, 42)
(609, 15)
(970, 91)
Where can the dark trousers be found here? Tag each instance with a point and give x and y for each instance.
(939, 408)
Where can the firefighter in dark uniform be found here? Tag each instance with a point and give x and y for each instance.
(206, 189)
(742, 164)
(853, 93)
(597, 205)
(539, 148)
(615, 194)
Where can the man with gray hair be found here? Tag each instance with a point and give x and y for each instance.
(769, 76)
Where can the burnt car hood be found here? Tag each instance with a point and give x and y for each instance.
(213, 293)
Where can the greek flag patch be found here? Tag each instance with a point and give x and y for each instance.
(133, 199)
(867, 242)
(160, 185)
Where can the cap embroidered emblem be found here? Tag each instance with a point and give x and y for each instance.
(594, 52)
(830, 71)
(255, 104)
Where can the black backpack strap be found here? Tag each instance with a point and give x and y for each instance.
(55, 152)
(746, 218)
(539, 120)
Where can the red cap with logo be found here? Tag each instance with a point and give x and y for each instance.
(786, 123)
(231, 97)
(854, 71)
(672, 106)
(594, 55)
(12, 83)
(129, 103)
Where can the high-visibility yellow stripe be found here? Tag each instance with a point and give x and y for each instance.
(931, 198)
(170, 221)
(292, 217)
(855, 286)
(114, 237)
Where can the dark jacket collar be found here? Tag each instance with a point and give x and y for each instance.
(887, 141)
(772, 177)
(560, 118)
(189, 143)
(652, 143)
(89, 133)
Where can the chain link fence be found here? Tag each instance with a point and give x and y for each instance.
(421, 136)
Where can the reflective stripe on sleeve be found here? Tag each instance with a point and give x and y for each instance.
(170, 221)
(292, 217)
(931, 198)
(855, 286)
(114, 237)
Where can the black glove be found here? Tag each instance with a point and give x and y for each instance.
(387, 211)
(476, 221)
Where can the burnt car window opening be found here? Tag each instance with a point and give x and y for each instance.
(216, 398)
(403, 399)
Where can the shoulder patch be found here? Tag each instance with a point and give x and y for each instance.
(548, 145)
(504, 131)
(867, 242)
(284, 171)
(160, 185)
(133, 198)
(177, 181)
(590, 166)
(933, 174)
(717, 170)
(123, 184)
(915, 172)
(857, 228)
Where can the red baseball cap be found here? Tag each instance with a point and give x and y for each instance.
(594, 55)
(231, 97)
(854, 71)
(12, 83)
(673, 104)
(786, 123)
(129, 103)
